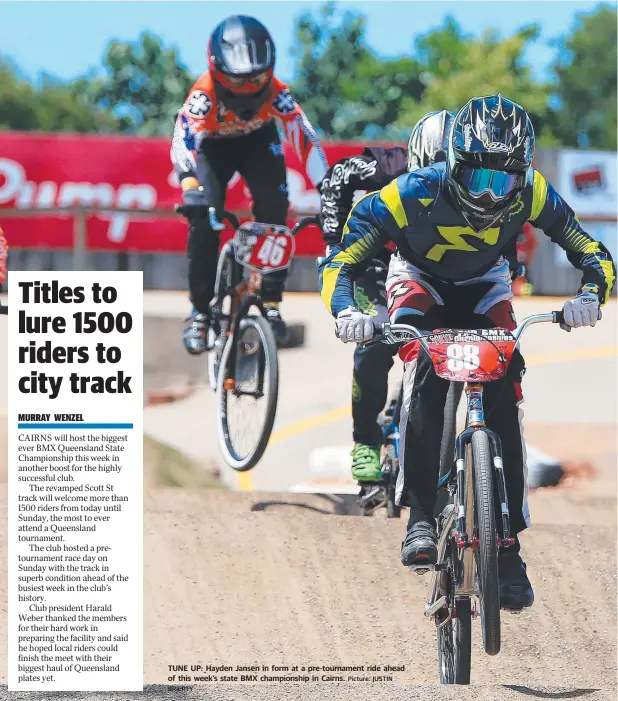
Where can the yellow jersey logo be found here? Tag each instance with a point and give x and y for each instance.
(455, 237)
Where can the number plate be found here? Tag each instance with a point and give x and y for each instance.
(478, 355)
(263, 247)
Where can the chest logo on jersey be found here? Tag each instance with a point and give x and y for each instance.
(454, 235)
(516, 208)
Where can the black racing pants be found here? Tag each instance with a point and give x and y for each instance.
(425, 393)
(258, 158)
(373, 363)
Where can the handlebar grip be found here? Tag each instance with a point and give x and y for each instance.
(558, 317)
(304, 222)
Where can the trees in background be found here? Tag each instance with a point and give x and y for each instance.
(585, 87)
(364, 96)
(50, 106)
(142, 84)
(456, 67)
(347, 90)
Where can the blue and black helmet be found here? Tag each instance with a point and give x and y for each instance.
(490, 154)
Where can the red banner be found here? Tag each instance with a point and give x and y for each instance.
(58, 170)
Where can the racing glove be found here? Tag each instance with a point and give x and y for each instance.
(353, 325)
(582, 310)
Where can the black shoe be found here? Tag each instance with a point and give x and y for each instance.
(279, 327)
(515, 588)
(420, 546)
(194, 335)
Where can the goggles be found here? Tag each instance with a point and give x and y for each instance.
(478, 182)
(242, 84)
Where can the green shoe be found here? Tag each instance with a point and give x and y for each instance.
(366, 463)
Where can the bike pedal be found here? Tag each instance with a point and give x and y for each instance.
(515, 611)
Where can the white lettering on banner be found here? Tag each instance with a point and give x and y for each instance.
(31, 195)
(73, 194)
(14, 175)
(138, 196)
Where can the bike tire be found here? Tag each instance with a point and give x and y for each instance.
(487, 552)
(392, 509)
(455, 645)
(449, 432)
(224, 281)
(238, 462)
(447, 445)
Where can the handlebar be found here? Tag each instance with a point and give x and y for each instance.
(210, 213)
(216, 225)
(388, 331)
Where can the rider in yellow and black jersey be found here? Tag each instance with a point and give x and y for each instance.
(450, 222)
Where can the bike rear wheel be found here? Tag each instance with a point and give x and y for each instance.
(454, 619)
(247, 394)
(455, 645)
(487, 552)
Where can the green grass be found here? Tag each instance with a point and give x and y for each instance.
(168, 467)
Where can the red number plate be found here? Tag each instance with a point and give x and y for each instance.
(264, 247)
(467, 356)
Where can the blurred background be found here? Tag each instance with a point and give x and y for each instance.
(89, 92)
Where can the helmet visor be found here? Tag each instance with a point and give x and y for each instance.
(482, 183)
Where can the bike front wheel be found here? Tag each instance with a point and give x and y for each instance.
(224, 281)
(247, 394)
(487, 552)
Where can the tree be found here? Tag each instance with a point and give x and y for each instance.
(458, 67)
(143, 84)
(346, 90)
(51, 106)
(585, 73)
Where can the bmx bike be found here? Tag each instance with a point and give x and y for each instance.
(471, 531)
(243, 366)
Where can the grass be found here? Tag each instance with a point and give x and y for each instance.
(165, 466)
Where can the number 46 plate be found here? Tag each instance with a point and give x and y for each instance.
(263, 247)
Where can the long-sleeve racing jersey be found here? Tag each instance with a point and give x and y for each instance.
(204, 116)
(417, 212)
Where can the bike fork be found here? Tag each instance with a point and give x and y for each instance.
(476, 421)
